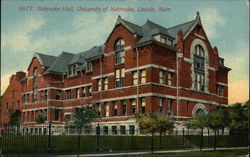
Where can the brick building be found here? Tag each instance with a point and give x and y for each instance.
(138, 69)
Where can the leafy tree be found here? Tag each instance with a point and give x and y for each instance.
(41, 118)
(200, 122)
(154, 123)
(15, 117)
(238, 118)
(83, 116)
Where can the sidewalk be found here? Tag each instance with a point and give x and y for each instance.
(149, 152)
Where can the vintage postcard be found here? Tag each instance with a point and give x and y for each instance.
(124, 77)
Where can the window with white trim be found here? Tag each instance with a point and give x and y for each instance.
(170, 78)
(68, 94)
(89, 67)
(161, 77)
(161, 105)
(72, 70)
(170, 107)
(119, 77)
(99, 83)
(135, 78)
(133, 108)
(115, 108)
(107, 109)
(83, 91)
(77, 93)
(143, 105)
(143, 76)
(58, 94)
(90, 90)
(199, 68)
(119, 51)
(105, 83)
(220, 90)
(124, 108)
(35, 84)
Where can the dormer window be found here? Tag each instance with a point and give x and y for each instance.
(72, 70)
(164, 39)
(89, 67)
(119, 51)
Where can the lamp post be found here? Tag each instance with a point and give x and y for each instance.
(97, 137)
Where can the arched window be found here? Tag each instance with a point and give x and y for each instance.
(199, 68)
(119, 51)
(35, 82)
(200, 112)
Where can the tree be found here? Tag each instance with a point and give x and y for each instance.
(216, 120)
(41, 118)
(238, 118)
(153, 123)
(15, 117)
(83, 116)
(200, 122)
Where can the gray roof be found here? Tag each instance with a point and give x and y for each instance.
(60, 64)
(146, 32)
(173, 31)
(150, 29)
(46, 60)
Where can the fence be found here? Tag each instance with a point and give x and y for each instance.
(67, 140)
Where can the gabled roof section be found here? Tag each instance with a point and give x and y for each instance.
(81, 57)
(150, 29)
(60, 64)
(45, 60)
(173, 31)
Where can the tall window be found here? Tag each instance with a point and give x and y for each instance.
(99, 109)
(119, 51)
(107, 109)
(133, 109)
(72, 70)
(99, 82)
(77, 93)
(89, 67)
(143, 76)
(170, 107)
(143, 105)
(119, 77)
(90, 90)
(135, 78)
(105, 83)
(123, 107)
(199, 68)
(170, 78)
(35, 81)
(220, 90)
(57, 115)
(68, 94)
(162, 77)
(58, 95)
(115, 108)
(161, 105)
(83, 92)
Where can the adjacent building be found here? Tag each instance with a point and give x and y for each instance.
(138, 69)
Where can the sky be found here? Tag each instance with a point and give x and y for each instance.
(26, 30)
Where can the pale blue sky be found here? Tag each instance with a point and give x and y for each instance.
(26, 32)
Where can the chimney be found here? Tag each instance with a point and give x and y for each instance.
(180, 41)
(20, 75)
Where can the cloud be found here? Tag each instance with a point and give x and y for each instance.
(5, 81)
(211, 19)
(238, 91)
(18, 37)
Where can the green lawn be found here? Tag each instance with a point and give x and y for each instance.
(69, 144)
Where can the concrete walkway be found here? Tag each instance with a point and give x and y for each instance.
(149, 152)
